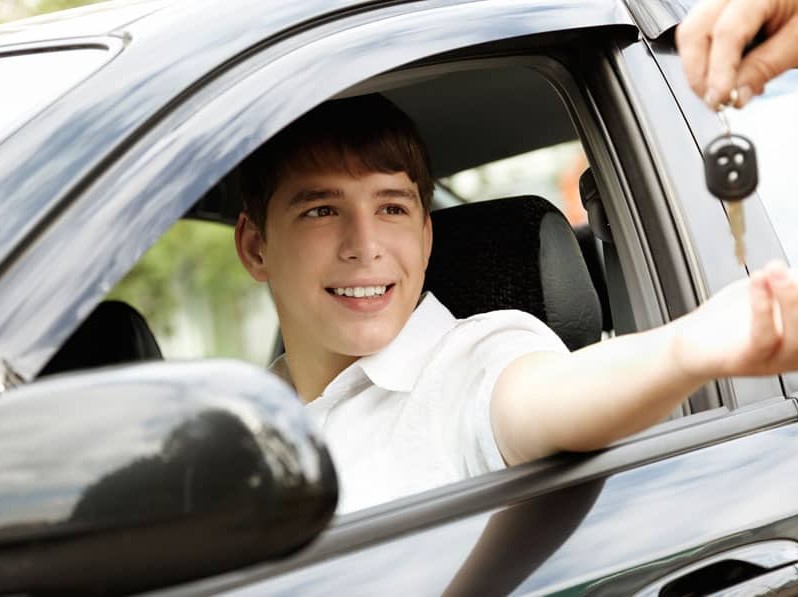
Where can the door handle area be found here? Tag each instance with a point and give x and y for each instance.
(782, 582)
(762, 568)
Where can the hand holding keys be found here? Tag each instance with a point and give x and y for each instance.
(731, 175)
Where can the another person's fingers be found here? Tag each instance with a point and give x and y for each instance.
(693, 37)
(775, 56)
(736, 25)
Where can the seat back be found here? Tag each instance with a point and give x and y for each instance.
(114, 333)
(514, 253)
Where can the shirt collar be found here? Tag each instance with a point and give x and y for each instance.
(398, 366)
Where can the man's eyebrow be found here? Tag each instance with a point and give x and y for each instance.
(308, 195)
(397, 193)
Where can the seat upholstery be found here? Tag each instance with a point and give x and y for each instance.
(514, 253)
(112, 334)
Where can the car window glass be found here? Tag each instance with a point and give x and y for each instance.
(198, 299)
(769, 121)
(33, 80)
(552, 172)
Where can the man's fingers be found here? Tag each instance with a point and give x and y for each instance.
(693, 38)
(784, 286)
(764, 330)
(736, 25)
(775, 56)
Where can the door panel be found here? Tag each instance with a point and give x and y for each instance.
(610, 536)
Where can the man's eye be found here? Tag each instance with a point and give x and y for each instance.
(319, 212)
(394, 210)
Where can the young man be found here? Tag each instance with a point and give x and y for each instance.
(337, 223)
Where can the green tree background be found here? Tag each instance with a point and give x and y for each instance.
(54, 5)
(194, 264)
(17, 9)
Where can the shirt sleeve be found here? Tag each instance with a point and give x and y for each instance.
(493, 341)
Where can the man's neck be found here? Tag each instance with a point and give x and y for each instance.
(311, 372)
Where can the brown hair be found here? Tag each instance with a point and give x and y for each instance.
(356, 135)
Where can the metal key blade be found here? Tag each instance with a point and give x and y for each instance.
(734, 209)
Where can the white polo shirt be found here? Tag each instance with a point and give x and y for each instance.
(416, 414)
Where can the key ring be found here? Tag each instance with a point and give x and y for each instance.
(731, 103)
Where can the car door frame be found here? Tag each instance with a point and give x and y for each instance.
(169, 166)
(762, 241)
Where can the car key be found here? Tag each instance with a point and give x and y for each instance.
(731, 175)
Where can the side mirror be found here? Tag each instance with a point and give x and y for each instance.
(131, 478)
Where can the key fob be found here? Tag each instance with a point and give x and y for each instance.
(730, 167)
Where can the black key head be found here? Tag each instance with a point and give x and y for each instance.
(730, 167)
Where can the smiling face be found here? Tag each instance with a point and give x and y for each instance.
(336, 220)
(345, 258)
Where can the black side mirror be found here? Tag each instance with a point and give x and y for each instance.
(131, 478)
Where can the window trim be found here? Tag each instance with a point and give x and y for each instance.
(697, 218)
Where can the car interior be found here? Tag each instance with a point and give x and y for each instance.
(469, 115)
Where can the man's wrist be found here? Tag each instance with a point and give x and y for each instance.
(689, 364)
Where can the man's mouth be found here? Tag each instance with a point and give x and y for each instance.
(360, 291)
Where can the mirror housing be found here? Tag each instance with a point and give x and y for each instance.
(130, 478)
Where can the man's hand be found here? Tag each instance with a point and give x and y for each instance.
(712, 38)
(749, 328)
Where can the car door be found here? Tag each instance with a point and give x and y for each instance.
(692, 509)
(692, 500)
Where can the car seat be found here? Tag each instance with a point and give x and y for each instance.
(514, 253)
(114, 333)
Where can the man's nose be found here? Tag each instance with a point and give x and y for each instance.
(361, 241)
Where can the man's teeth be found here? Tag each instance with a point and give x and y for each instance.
(361, 291)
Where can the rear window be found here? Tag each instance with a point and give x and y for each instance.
(32, 80)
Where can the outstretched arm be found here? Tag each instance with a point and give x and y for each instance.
(544, 402)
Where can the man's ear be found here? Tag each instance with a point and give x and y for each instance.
(427, 239)
(250, 248)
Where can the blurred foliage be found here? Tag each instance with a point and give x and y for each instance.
(53, 5)
(193, 260)
(19, 9)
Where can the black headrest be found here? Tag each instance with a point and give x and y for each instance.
(514, 253)
(113, 333)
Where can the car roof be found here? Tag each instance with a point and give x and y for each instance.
(108, 17)
(103, 18)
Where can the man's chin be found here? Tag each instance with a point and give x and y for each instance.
(366, 346)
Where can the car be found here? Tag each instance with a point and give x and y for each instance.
(205, 476)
